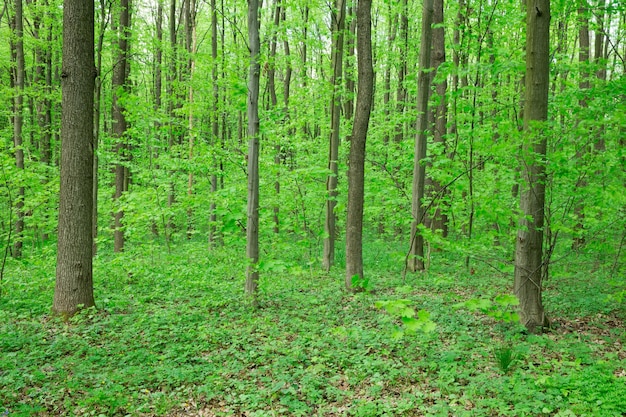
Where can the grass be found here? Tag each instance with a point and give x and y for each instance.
(172, 336)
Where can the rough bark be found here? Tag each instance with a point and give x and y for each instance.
(356, 161)
(74, 279)
(338, 25)
(252, 225)
(529, 242)
(416, 252)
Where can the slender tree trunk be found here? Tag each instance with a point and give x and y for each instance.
(119, 124)
(190, 43)
(401, 94)
(529, 243)
(18, 122)
(438, 116)
(338, 25)
(74, 279)
(583, 85)
(356, 169)
(215, 124)
(172, 104)
(271, 86)
(96, 122)
(416, 253)
(349, 63)
(252, 226)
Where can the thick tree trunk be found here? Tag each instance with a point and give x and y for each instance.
(74, 279)
(338, 25)
(529, 243)
(356, 169)
(252, 226)
(416, 252)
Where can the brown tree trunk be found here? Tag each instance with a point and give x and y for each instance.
(529, 243)
(74, 279)
(18, 121)
(416, 252)
(252, 225)
(215, 124)
(583, 85)
(96, 121)
(119, 125)
(401, 94)
(356, 161)
(338, 24)
(438, 117)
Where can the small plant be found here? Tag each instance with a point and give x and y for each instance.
(361, 284)
(504, 357)
(502, 308)
(407, 314)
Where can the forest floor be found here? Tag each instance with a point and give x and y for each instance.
(173, 336)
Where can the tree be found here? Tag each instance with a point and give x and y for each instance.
(356, 161)
(18, 121)
(416, 252)
(119, 124)
(74, 279)
(529, 243)
(252, 225)
(338, 26)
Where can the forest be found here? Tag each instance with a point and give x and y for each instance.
(313, 208)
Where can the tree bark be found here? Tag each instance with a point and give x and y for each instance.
(416, 252)
(252, 225)
(215, 124)
(583, 85)
(18, 122)
(529, 243)
(356, 161)
(338, 26)
(119, 124)
(438, 116)
(74, 279)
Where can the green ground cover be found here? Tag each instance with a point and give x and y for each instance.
(173, 336)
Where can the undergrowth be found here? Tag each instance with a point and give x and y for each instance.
(173, 335)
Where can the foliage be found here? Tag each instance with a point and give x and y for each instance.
(170, 336)
(499, 309)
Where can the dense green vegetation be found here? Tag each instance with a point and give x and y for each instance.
(172, 336)
(493, 280)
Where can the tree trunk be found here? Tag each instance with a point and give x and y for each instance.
(96, 121)
(529, 243)
(416, 253)
(119, 125)
(74, 279)
(338, 24)
(583, 86)
(190, 44)
(356, 161)
(215, 124)
(252, 226)
(401, 94)
(18, 121)
(438, 116)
